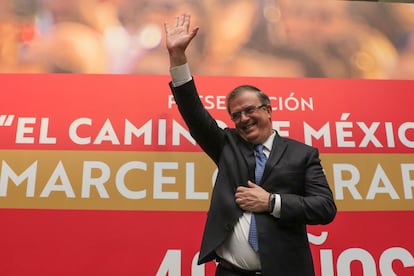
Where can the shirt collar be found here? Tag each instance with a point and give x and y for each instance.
(269, 142)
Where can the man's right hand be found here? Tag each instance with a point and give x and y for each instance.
(178, 37)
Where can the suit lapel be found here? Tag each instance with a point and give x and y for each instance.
(247, 151)
(278, 148)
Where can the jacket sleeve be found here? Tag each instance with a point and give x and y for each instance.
(316, 204)
(203, 128)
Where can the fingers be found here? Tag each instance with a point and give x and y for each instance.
(184, 20)
(194, 32)
(251, 184)
(248, 203)
(176, 21)
(181, 21)
(252, 198)
(166, 27)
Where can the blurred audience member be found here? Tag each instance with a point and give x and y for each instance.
(82, 36)
(233, 23)
(345, 47)
(144, 21)
(282, 38)
(17, 31)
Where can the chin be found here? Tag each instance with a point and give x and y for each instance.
(251, 135)
(252, 138)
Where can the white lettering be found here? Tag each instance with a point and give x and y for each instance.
(73, 134)
(120, 180)
(107, 133)
(171, 264)
(323, 132)
(88, 181)
(53, 185)
(374, 188)
(350, 183)
(190, 184)
(160, 180)
(44, 129)
(23, 129)
(356, 254)
(29, 174)
(408, 182)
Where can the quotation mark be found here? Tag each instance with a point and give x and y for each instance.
(6, 120)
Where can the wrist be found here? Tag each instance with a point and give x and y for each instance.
(271, 202)
(177, 58)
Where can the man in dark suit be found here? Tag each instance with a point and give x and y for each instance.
(245, 211)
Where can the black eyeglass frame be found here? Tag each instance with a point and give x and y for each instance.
(236, 116)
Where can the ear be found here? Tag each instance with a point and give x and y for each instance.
(269, 110)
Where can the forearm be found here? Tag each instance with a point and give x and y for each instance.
(202, 126)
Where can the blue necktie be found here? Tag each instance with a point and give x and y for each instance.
(260, 164)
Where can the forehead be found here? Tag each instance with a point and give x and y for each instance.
(244, 98)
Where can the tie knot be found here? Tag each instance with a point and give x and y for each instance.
(260, 155)
(259, 148)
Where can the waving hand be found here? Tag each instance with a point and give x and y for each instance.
(178, 37)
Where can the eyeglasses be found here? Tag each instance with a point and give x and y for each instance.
(236, 116)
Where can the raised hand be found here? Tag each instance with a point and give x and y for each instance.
(178, 37)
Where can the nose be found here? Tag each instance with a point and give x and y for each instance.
(243, 116)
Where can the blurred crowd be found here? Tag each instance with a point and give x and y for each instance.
(282, 38)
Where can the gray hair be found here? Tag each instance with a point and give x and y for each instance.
(263, 98)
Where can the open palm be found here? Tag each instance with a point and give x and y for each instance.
(178, 36)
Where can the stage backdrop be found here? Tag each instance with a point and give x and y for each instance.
(99, 175)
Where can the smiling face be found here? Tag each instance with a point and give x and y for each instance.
(253, 124)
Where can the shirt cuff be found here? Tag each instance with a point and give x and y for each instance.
(180, 74)
(278, 206)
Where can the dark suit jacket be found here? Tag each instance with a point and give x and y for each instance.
(293, 170)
